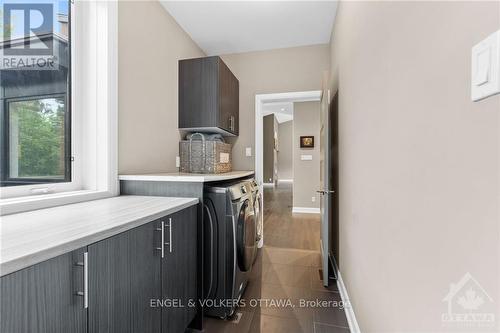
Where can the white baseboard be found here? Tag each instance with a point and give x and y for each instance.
(306, 210)
(268, 184)
(349, 311)
(285, 180)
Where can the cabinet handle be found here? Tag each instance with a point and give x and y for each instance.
(162, 247)
(85, 293)
(170, 234)
(231, 123)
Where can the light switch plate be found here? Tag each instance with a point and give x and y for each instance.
(248, 151)
(306, 157)
(485, 76)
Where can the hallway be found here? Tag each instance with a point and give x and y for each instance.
(288, 268)
(284, 229)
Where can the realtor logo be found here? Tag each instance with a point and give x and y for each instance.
(36, 21)
(469, 305)
(29, 41)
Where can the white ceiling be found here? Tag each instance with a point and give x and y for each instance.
(222, 27)
(282, 111)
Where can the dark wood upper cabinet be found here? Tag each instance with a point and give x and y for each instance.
(208, 96)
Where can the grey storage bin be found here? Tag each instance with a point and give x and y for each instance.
(201, 155)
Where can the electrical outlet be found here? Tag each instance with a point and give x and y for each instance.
(313, 199)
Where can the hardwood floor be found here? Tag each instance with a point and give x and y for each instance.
(287, 268)
(284, 229)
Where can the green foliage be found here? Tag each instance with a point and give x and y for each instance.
(40, 137)
(8, 28)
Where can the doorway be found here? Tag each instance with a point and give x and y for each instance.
(288, 221)
(289, 264)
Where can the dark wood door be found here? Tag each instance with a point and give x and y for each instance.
(179, 271)
(42, 298)
(334, 180)
(124, 276)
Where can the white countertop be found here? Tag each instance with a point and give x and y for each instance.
(187, 177)
(32, 237)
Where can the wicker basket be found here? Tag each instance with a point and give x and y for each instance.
(204, 156)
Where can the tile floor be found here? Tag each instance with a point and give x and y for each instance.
(286, 279)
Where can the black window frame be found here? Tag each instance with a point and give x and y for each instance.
(5, 179)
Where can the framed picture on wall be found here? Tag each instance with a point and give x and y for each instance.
(307, 141)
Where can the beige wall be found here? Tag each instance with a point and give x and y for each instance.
(274, 71)
(419, 162)
(285, 153)
(150, 44)
(306, 181)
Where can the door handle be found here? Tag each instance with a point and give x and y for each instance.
(323, 192)
(85, 292)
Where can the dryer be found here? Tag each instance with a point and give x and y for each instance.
(259, 214)
(230, 245)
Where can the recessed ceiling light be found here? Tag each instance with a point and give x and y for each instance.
(282, 109)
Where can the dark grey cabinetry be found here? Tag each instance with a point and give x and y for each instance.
(208, 96)
(127, 276)
(43, 298)
(179, 273)
(131, 272)
(124, 275)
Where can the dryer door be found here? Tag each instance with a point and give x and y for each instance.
(258, 216)
(245, 236)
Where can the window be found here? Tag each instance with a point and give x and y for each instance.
(58, 103)
(38, 143)
(35, 90)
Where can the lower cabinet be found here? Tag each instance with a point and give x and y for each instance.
(124, 275)
(142, 280)
(44, 298)
(178, 271)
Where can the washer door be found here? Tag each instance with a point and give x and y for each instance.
(245, 236)
(210, 225)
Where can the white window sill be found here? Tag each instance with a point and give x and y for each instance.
(34, 202)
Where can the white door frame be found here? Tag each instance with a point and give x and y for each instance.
(260, 99)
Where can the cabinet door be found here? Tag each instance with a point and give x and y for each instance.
(228, 99)
(42, 298)
(198, 92)
(179, 270)
(124, 276)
